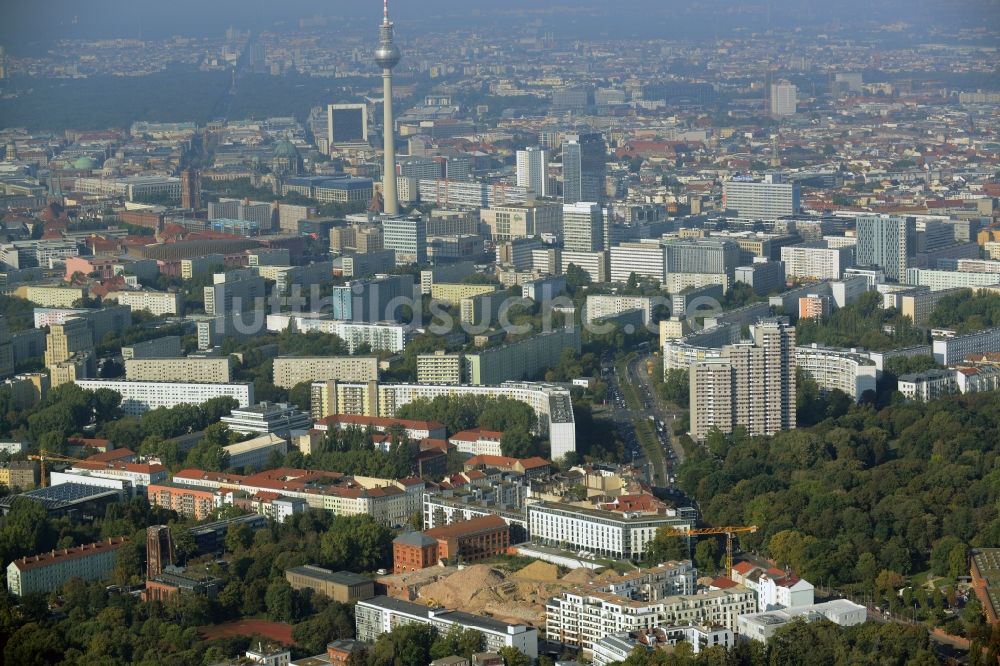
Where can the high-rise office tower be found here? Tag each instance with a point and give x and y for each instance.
(3, 63)
(190, 189)
(783, 99)
(159, 550)
(751, 385)
(886, 241)
(346, 124)
(583, 227)
(387, 56)
(407, 236)
(532, 170)
(584, 158)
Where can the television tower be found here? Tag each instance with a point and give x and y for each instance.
(387, 56)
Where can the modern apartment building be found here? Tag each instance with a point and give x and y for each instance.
(886, 241)
(292, 370)
(376, 616)
(816, 260)
(197, 503)
(452, 294)
(533, 170)
(750, 385)
(842, 369)
(183, 369)
(938, 280)
(372, 300)
(523, 359)
(762, 277)
(138, 397)
(158, 303)
(166, 347)
(593, 264)
(761, 201)
(949, 350)
(602, 306)
(47, 572)
(236, 291)
(581, 619)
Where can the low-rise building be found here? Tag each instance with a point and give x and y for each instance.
(381, 614)
(343, 586)
(466, 541)
(762, 626)
(267, 418)
(47, 572)
(255, 453)
(197, 503)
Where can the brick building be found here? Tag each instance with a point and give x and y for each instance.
(466, 541)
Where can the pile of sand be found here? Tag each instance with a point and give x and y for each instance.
(538, 571)
(580, 576)
(458, 589)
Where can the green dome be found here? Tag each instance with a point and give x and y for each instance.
(286, 149)
(85, 164)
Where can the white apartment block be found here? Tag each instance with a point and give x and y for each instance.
(477, 442)
(159, 303)
(382, 336)
(594, 264)
(619, 535)
(600, 306)
(379, 615)
(210, 370)
(292, 370)
(645, 260)
(846, 370)
(551, 404)
(48, 572)
(139, 397)
(816, 260)
(939, 280)
(582, 619)
(951, 350)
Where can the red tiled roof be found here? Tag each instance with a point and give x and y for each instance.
(379, 421)
(45, 559)
(466, 527)
(114, 454)
(723, 583)
(476, 434)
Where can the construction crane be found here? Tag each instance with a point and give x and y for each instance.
(729, 531)
(53, 457)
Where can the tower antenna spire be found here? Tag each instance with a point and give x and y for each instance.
(385, 12)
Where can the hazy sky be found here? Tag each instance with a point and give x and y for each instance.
(39, 21)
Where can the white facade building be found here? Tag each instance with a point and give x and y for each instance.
(142, 396)
(850, 371)
(762, 626)
(816, 260)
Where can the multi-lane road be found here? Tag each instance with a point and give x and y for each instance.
(651, 414)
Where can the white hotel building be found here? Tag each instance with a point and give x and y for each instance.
(143, 396)
(619, 535)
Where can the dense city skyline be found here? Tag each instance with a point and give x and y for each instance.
(530, 333)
